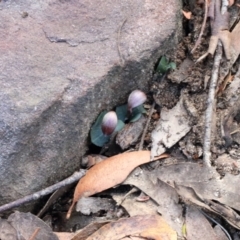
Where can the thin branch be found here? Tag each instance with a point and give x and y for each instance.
(210, 106)
(146, 127)
(202, 28)
(73, 178)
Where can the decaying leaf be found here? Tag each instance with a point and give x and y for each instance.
(201, 185)
(93, 205)
(220, 31)
(187, 15)
(173, 125)
(26, 223)
(64, 235)
(108, 173)
(220, 233)
(194, 219)
(144, 226)
(183, 72)
(219, 27)
(189, 195)
(234, 36)
(87, 231)
(134, 207)
(224, 84)
(164, 195)
(7, 231)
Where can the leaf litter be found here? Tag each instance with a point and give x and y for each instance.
(105, 175)
(181, 182)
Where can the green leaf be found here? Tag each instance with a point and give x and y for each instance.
(120, 126)
(137, 113)
(122, 112)
(135, 117)
(164, 65)
(96, 134)
(172, 65)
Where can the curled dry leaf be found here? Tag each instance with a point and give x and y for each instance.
(219, 27)
(109, 173)
(187, 15)
(143, 226)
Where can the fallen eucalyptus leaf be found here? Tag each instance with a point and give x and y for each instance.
(143, 226)
(26, 223)
(164, 195)
(7, 231)
(194, 219)
(108, 173)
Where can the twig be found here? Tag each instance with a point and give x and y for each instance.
(210, 106)
(34, 233)
(118, 40)
(235, 131)
(202, 28)
(73, 178)
(146, 127)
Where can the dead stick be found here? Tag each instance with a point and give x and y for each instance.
(73, 178)
(146, 127)
(210, 106)
(202, 28)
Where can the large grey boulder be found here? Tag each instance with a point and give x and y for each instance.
(61, 63)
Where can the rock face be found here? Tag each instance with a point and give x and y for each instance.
(61, 63)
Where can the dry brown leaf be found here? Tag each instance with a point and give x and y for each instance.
(64, 235)
(91, 228)
(194, 219)
(145, 226)
(26, 224)
(200, 183)
(235, 35)
(164, 195)
(219, 27)
(7, 231)
(224, 84)
(108, 173)
(35, 233)
(187, 15)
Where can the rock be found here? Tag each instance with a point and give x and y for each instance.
(62, 62)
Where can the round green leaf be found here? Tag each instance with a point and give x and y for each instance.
(96, 134)
(122, 112)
